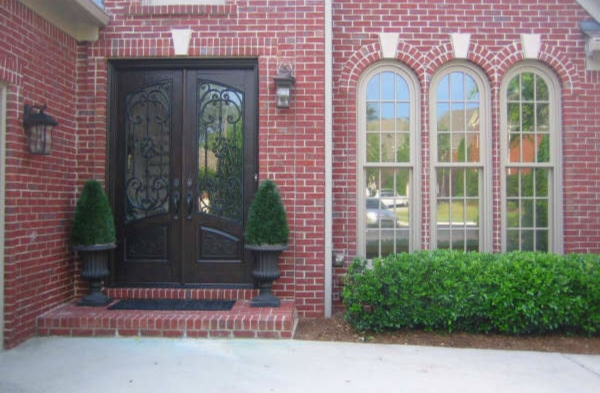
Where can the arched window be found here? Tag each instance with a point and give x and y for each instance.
(531, 154)
(460, 159)
(388, 140)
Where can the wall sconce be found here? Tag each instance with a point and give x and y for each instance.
(283, 86)
(38, 127)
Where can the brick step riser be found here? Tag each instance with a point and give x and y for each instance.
(242, 321)
(182, 293)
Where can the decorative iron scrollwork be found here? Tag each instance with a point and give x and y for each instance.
(148, 127)
(220, 111)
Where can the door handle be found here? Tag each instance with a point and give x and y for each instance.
(190, 205)
(176, 199)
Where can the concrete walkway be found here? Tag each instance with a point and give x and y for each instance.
(112, 365)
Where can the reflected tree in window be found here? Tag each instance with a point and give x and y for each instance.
(528, 170)
(458, 167)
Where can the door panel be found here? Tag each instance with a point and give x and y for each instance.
(183, 161)
(144, 204)
(222, 120)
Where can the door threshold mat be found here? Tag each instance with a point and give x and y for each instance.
(173, 305)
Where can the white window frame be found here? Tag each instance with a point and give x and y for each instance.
(414, 199)
(555, 198)
(485, 153)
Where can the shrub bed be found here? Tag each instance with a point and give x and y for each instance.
(511, 293)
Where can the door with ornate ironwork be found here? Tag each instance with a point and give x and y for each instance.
(183, 169)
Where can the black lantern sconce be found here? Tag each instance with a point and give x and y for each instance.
(283, 85)
(38, 127)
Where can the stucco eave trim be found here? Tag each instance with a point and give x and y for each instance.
(592, 7)
(81, 19)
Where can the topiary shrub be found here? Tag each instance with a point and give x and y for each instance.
(267, 221)
(93, 223)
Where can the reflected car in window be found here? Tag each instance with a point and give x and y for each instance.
(379, 216)
(390, 198)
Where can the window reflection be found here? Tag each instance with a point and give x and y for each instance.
(387, 164)
(458, 138)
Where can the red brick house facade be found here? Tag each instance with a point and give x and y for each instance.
(329, 146)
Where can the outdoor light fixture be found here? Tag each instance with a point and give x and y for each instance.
(38, 127)
(283, 85)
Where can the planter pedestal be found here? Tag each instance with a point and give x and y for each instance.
(94, 270)
(265, 272)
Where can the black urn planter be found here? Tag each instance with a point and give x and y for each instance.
(265, 272)
(94, 270)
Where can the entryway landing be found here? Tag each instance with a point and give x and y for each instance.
(242, 321)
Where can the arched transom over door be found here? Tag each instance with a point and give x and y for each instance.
(183, 166)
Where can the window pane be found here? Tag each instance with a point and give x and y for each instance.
(472, 147)
(541, 182)
(543, 148)
(371, 181)
(372, 147)
(526, 176)
(402, 240)
(443, 89)
(527, 86)
(514, 147)
(514, 117)
(457, 213)
(513, 213)
(387, 86)
(444, 152)
(373, 116)
(527, 117)
(471, 89)
(388, 143)
(541, 240)
(457, 86)
(541, 90)
(388, 117)
(387, 221)
(541, 213)
(373, 89)
(402, 117)
(527, 213)
(402, 92)
(512, 182)
(543, 117)
(458, 122)
(527, 240)
(443, 117)
(403, 147)
(472, 179)
(473, 117)
(527, 209)
(514, 89)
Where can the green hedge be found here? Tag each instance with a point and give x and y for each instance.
(512, 293)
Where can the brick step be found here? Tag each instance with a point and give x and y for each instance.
(181, 293)
(242, 321)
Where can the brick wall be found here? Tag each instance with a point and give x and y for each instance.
(37, 62)
(424, 29)
(290, 141)
(41, 64)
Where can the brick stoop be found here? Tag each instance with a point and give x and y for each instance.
(242, 321)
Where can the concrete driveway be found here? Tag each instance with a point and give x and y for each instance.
(112, 365)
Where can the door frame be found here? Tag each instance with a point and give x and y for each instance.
(114, 66)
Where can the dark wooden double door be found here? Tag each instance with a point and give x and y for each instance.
(182, 170)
